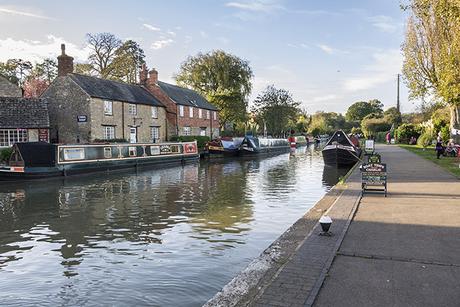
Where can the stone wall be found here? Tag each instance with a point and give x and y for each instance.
(123, 121)
(67, 101)
(8, 89)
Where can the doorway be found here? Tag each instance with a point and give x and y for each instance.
(133, 135)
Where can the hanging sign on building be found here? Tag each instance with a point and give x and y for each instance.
(82, 118)
(43, 135)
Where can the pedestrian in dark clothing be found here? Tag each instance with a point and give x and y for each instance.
(439, 149)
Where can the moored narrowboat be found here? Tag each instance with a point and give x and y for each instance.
(224, 147)
(36, 160)
(260, 146)
(340, 150)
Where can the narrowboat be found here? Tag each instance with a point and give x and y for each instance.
(34, 160)
(339, 150)
(254, 146)
(224, 147)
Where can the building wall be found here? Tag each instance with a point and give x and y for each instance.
(196, 123)
(67, 101)
(123, 121)
(8, 89)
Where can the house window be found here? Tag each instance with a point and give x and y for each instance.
(154, 112)
(191, 112)
(155, 134)
(208, 116)
(107, 152)
(214, 114)
(203, 131)
(187, 131)
(10, 136)
(200, 113)
(132, 109)
(109, 132)
(181, 111)
(108, 107)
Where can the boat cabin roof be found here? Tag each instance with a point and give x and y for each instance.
(340, 137)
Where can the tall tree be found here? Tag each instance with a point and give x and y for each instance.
(103, 47)
(432, 52)
(127, 61)
(16, 70)
(360, 109)
(277, 110)
(224, 79)
(45, 70)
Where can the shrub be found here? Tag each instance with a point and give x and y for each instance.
(5, 154)
(380, 137)
(370, 126)
(425, 140)
(406, 131)
(200, 140)
(356, 130)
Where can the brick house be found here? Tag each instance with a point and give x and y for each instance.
(87, 109)
(8, 89)
(188, 113)
(23, 120)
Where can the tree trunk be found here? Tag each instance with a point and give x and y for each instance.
(455, 121)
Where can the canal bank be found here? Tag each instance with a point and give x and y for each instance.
(401, 250)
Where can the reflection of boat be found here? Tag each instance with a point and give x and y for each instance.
(224, 146)
(39, 160)
(255, 146)
(332, 174)
(339, 150)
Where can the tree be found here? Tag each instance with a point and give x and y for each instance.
(326, 123)
(128, 58)
(360, 109)
(373, 125)
(46, 70)
(16, 70)
(103, 47)
(276, 110)
(392, 116)
(224, 79)
(431, 52)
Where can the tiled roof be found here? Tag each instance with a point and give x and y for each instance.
(113, 90)
(17, 112)
(185, 96)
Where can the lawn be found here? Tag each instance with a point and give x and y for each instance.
(448, 163)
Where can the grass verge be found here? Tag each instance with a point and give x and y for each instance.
(450, 164)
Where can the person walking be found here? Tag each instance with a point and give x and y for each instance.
(439, 148)
(388, 138)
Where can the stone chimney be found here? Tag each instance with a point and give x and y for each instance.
(153, 77)
(143, 75)
(65, 63)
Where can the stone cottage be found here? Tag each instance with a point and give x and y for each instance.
(188, 113)
(8, 89)
(87, 109)
(23, 120)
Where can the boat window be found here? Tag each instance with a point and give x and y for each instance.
(132, 151)
(154, 150)
(107, 152)
(175, 149)
(74, 154)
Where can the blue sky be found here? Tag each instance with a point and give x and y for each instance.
(329, 53)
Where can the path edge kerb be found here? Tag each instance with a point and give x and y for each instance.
(247, 284)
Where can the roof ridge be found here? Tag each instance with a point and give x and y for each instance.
(104, 79)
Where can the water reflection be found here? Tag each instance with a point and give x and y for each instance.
(160, 237)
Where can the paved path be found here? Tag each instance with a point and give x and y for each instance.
(403, 250)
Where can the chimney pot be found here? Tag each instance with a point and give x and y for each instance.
(153, 76)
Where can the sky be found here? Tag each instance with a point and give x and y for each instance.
(328, 54)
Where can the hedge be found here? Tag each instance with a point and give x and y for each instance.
(201, 140)
(5, 154)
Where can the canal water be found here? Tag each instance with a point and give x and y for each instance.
(169, 237)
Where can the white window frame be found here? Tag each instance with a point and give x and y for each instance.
(214, 114)
(187, 130)
(8, 137)
(154, 112)
(203, 131)
(190, 111)
(208, 114)
(155, 134)
(71, 154)
(108, 152)
(108, 107)
(200, 113)
(181, 110)
(132, 151)
(109, 132)
(132, 109)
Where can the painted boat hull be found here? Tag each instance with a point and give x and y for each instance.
(336, 155)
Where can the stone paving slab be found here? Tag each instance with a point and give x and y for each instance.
(358, 282)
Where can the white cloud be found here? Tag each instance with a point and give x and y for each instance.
(384, 23)
(37, 50)
(301, 45)
(326, 48)
(387, 64)
(150, 27)
(16, 12)
(256, 6)
(173, 34)
(162, 43)
(323, 98)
